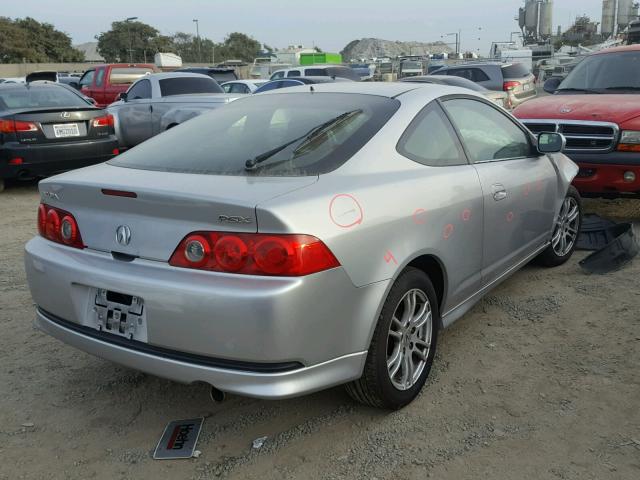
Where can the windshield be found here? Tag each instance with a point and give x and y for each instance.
(222, 141)
(39, 97)
(611, 71)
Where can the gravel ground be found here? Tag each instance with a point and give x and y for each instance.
(539, 381)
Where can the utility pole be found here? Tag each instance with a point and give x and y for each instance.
(195, 20)
(130, 19)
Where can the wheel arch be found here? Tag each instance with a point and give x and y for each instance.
(434, 268)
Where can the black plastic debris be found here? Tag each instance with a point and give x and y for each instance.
(619, 251)
(595, 233)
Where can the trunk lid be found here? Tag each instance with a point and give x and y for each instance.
(168, 206)
(60, 126)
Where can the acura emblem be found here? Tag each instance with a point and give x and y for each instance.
(123, 235)
(65, 114)
(565, 110)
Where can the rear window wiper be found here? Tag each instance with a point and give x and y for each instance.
(584, 90)
(253, 163)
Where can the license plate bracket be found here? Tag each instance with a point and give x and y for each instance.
(119, 314)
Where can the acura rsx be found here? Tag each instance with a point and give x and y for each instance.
(300, 239)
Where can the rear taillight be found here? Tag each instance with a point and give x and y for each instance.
(254, 254)
(13, 126)
(105, 121)
(510, 85)
(58, 226)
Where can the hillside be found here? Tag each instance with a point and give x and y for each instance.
(376, 47)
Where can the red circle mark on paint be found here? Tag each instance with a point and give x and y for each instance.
(416, 214)
(360, 213)
(527, 190)
(510, 217)
(466, 215)
(448, 230)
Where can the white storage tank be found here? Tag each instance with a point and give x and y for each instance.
(625, 10)
(608, 17)
(167, 60)
(546, 18)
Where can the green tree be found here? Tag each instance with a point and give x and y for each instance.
(31, 41)
(237, 46)
(132, 41)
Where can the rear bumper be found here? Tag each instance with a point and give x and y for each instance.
(44, 160)
(603, 174)
(205, 326)
(279, 385)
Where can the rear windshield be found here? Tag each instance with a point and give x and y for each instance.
(185, 86)
(222, 141)
(39, 97)
(126, 75)
(222, 77)
(516, 70)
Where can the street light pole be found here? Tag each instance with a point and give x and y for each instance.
(195, 20)
(130, 19)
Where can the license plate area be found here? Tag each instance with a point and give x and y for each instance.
(119, 314)
(64, 130)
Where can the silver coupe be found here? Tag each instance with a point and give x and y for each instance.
(300, 239)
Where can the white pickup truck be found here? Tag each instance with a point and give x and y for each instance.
(160, 101)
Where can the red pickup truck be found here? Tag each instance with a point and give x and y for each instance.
(597, 108)
(104, 83)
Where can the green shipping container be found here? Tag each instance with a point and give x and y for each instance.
(322, 57)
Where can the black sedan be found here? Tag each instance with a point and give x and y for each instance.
(46, 128)
(297, 81)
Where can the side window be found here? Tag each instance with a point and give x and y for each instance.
(431, 140)
(277, 75)
(462, 72)
(477, 75)
(87, 79)
(238, 88)
(227, 87)
(316, 72)
(140, 90)
(293, 73)
(100, 77)
(487, 133)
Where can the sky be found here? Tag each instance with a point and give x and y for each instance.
(328, 24)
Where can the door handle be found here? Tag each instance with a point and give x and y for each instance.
(151, 108)
(499, 192)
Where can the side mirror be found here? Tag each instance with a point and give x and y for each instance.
(122, 96)
(75, 85)
(551, 85)
(551, 142)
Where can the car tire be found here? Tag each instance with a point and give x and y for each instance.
(379, 386)
(566, 225)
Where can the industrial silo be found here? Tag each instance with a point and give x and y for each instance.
(531, 16)
(625, 12)
(546, 19)
(608, 17)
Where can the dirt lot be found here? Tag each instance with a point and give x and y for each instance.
(541, 380)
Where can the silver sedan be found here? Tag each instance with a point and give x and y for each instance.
(301, 239)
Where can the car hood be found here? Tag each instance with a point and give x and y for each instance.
(593, 107)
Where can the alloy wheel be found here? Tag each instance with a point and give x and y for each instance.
(567, 227)
(409, 339)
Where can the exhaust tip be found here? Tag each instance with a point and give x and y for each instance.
(218, 396)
